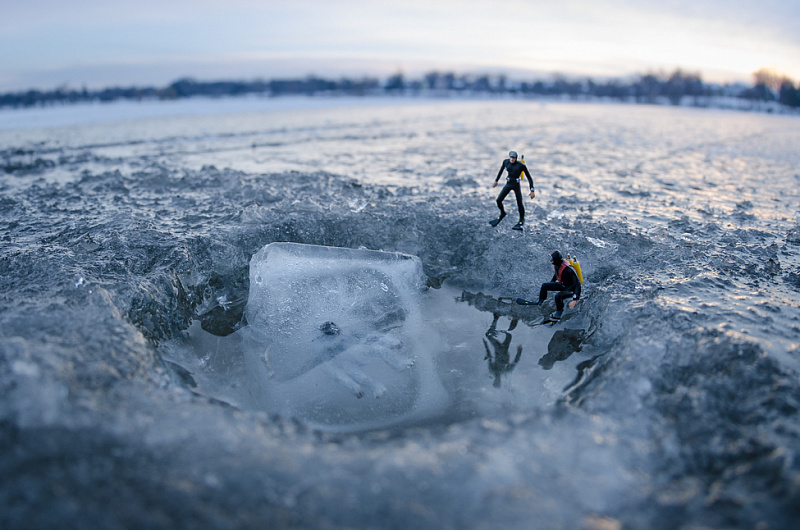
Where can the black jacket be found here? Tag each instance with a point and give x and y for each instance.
(514, 171)
(570, 281)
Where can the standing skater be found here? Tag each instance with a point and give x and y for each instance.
(515, 170)
(565, 280)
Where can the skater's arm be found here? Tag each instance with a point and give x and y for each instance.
(575, 287)
(528, 174)
(502, 168)
(530, 179)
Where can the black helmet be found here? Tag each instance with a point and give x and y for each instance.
(556, 257)
(512, 154)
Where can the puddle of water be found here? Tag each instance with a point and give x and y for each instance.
(491, 356)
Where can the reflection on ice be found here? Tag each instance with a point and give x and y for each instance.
(564, 343)
(507, 331)
(499, 359)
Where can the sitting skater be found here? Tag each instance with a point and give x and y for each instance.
(565, 281)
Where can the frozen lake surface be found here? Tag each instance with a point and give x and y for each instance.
(146, 381)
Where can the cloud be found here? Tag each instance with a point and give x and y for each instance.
(41, 38)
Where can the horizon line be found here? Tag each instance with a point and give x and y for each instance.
(491, 72)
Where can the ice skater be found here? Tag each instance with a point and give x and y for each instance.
(500, 362)
(565, 281)
(515, 170)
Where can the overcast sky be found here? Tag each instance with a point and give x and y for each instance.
(97, 43)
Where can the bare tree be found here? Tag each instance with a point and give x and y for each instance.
(769, 78)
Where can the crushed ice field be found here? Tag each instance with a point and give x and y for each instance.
(293, 313)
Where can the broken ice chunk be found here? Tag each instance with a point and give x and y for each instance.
(325, 323)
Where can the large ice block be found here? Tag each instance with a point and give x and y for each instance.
(335, 336)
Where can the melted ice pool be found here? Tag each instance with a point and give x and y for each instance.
(350, 340)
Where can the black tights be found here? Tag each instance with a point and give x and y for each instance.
(556, 286)
(517, 192)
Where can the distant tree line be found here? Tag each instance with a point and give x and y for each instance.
(186, 88)
(647, 88)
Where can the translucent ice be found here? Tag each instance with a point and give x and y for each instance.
(335, 336)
